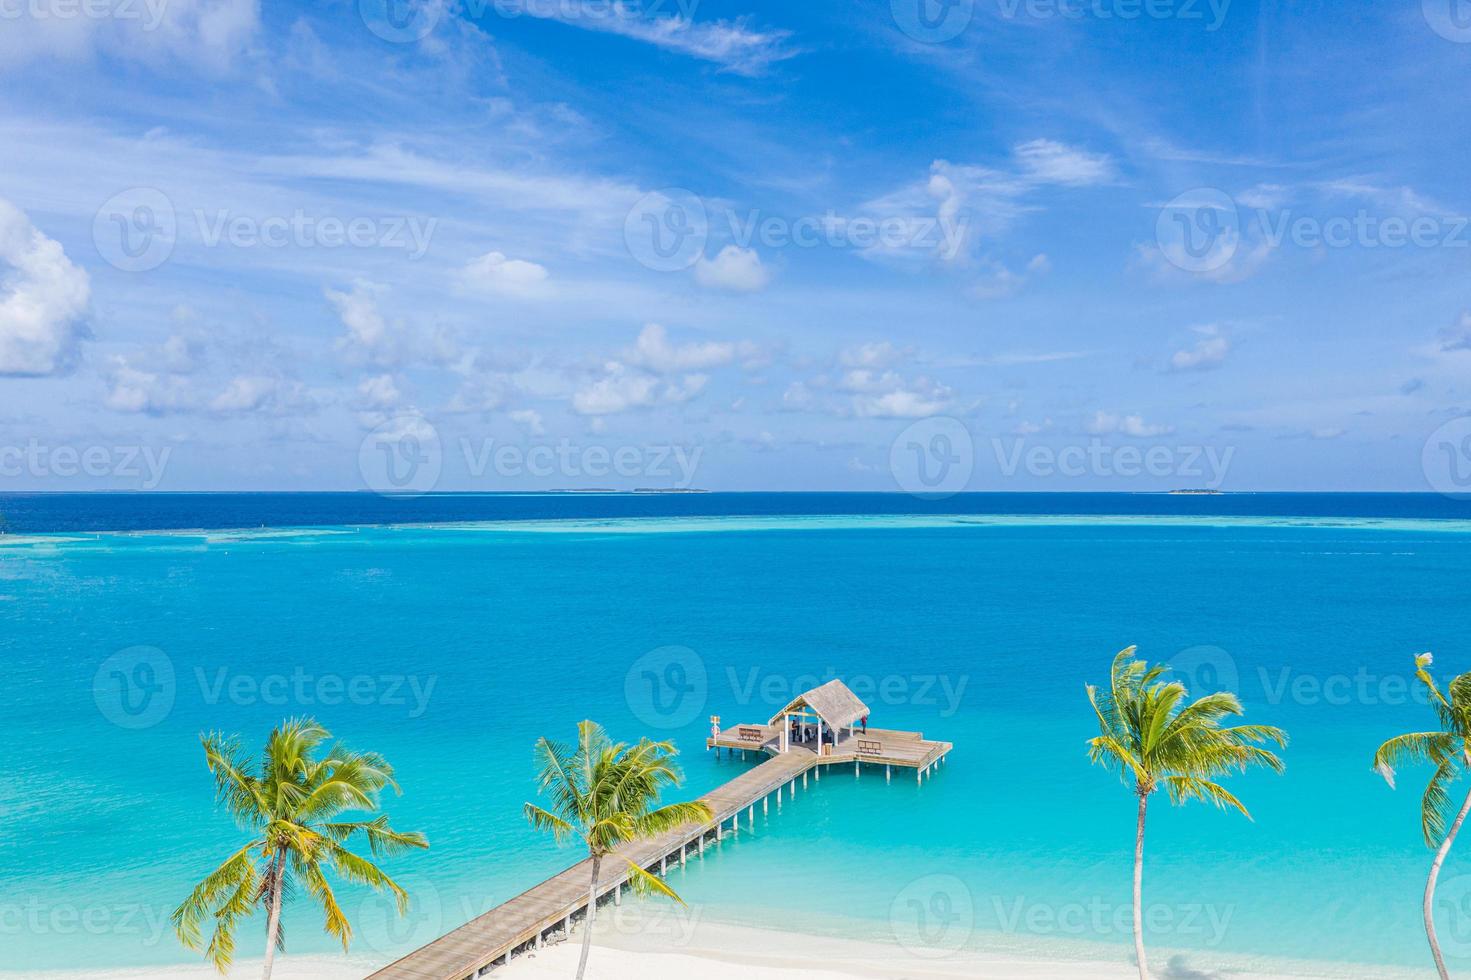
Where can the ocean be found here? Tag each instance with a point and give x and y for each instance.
(448, 632)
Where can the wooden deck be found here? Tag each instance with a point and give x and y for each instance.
(491, 939)
(877, 746)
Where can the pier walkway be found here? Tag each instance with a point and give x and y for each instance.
(547, 910)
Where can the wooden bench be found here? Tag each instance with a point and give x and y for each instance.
(867, 746)
(752, 734)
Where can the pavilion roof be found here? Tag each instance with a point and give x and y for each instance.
(833, 702)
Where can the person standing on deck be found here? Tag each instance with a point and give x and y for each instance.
(865, 724)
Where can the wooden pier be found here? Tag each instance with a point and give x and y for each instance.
(547, 911)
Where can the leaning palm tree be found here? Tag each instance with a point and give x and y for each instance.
(1155, 737)
(291, 804)
(1449, 750)
(606, 794)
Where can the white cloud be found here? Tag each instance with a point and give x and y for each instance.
(1208, 352)
(367, 331)
(729, 43)
(379, 393)
(1050, 162)
(734, 268)
(530, 420)
(210, 34)
(655, 352)
(1106, 423)
(888, 395)
(42, 301)
(617, 391)
(513, 277)
(879, 354)
(260, 394)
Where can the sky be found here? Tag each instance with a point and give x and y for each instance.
(916, 245)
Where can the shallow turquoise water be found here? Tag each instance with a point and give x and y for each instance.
(451, 649)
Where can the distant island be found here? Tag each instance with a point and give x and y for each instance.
(1194, 491)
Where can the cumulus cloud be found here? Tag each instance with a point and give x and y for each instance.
(879, 354)
(886, 394)
(530, 420)
(1206, 353)
(1107, 423)
(494, 272)
(260, 394)
(735, 269)
(43, 300)
(655, 352)
(617, 391)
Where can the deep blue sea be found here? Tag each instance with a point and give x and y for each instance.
(978, 619)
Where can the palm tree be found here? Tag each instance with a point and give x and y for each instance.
(1449, 750)
(606, 794)
(290, 804)
(1154, 737)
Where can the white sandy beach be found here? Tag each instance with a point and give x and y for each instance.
(726, 952)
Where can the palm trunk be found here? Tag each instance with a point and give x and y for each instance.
(1441, 852)
(592, 904)
(1139, 889)
(273, 923)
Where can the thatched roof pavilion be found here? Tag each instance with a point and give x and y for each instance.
(831, 704)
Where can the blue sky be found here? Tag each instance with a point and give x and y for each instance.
(277, 245)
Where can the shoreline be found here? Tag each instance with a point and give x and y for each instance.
(628, 947)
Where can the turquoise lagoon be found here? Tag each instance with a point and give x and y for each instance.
(451, 648)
